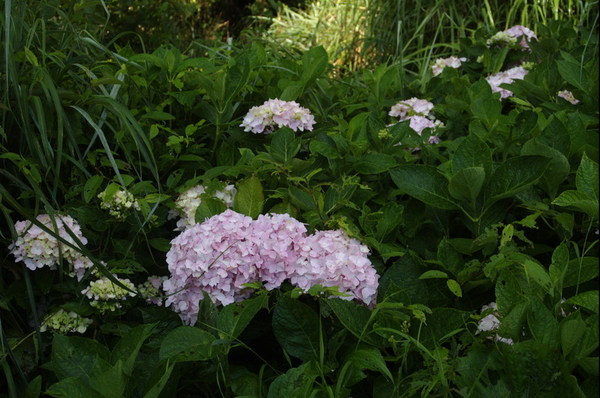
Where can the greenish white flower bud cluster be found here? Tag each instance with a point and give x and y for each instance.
(105, 295)
(118, 203)
(151, 289)
(65, 322)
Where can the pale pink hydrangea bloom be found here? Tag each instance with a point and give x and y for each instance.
(521, 31)
(505, 77)
(331, 258)
(511, 35)
(441, 63)
(263, 118)
(568, 96)
(491, 323)
(279, 239)
(37, 248)
(188, 202)
(417, 111)
(217, 257)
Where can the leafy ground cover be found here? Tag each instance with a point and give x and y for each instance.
(231, 222)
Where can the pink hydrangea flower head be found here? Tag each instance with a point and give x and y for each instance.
(187, 203)
(279, 239)
(37, 248)
(263, 118)
(420, 123)
(410, 107)
(506, 77)
(331, 258)
(441, 63)
(217, 257)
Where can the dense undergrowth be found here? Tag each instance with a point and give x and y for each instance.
(470, 184)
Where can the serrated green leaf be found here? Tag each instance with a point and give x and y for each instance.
(249, 198)
(284, 145)
(208, 207)
(537, 273)
(424, 183)
(324, 149)
(370, 358)
(314, 64)
(233, 318)
(186, 343)
(295, 383)
(542, 323)
(296, 328)
(578, 200)
(514, 176)
(373, 163)
(587, 300)
(466, 183)
(433, 274)
(587, 178)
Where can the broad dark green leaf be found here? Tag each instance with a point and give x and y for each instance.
(466, 183)
(373, 163)
(296, 328)
(187, 343)
(513, 176)
(72, 387)
(424, 183)
(558, 167)
(314, 64)
(295, 383)
(587, 300)
(392, 215)
(587, 178)
(208, 207)
(128, 347)
(580, 270)
(484, 105)
(91, 187)
(284, 145)
(370, 358)
(77, 357)
(249, 198)
(233, 318)
(323, 148)
(355, 317)
(578, 200)
(542, 323)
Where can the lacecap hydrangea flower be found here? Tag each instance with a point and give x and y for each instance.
(225, 252)
(276, 112)
(188, 202)
(441, 63)
(418, 112)
(118, 203)
(511, 35)
(491, 323)
(38, 248)
(64, 322)
(151, 289)
(106, 295)
(506, 77)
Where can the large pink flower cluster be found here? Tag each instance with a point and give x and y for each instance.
(511, 35)
(263, 118)
(441, 63)
(37, 248)
(505, 77)
(229, 250)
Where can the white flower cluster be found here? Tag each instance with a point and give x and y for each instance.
(418, 112)
(441, 63)
(491, 323)
(118, 203)
(568, 96)
(511, 35)
(188, 202)
(263, 118)
(105, 295)
(151, 289)
(65, 322)
(506, 77)
(37, 248)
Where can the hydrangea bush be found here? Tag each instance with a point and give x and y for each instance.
(331, 262)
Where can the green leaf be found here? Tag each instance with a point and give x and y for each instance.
(249, 198)
(295, 383)
(454, 287)
(559, 265)
(587, 178)
(284, 145)
(296, 328)
(187, 343)
(157, 387)
(466, 183)
(538, 274)
(572, 72)
(72, 387)
(370, 358)
(484, 105)
(513, 176)
(291, 91)
(580, 270)
(587, 300)
(208, 207)
(34, 388)
(433, 274)
(353, 316)
(110, 383)
(234, 317)
(91, 187)
(558, 167)
(578, 200)
(314, 64)
(542, 323)
(572, 332)
(77, 357)
(323, 148)
(424, 183)
(373, 163)
(128, 347)
(392, 215)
